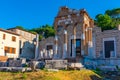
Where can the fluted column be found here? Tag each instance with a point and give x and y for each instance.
(55, 47)
(65, 45)
(90, 37)
(74, 43)
(36, 47)
(90, 43)
(83, 40)
(74, 47)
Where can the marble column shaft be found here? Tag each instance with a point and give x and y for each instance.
(65, 45)
(55, 46)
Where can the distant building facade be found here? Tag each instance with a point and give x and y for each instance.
(9, 44)
(26, 43)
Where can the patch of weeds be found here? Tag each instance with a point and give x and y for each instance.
(51, 78)
(97, 71)
(24, 76)
(44, 69)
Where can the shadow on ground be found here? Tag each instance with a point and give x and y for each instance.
(94, 77)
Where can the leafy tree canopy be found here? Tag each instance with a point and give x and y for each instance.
(20, 27)
(44, 31)
(114, 13)
(109, 20)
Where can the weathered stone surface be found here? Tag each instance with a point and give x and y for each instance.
(108, 68)
(15, 69)
(75, 66)
(16, 62)
(99, 36)
(78, 25)
(37, 65)
(3, 64)
(56, 64)
(43, 48)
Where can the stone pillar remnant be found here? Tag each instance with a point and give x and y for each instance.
(65, 45)
(36, 48)
(55, 47)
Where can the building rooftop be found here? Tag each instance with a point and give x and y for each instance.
(22, 30)
(10, 32)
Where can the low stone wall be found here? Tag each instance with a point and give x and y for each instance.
(15, 69)
(107, 68)
(16, 62)
(108, 62)
(104, 64)
(3, 64)
(56, 64)
(90, 63)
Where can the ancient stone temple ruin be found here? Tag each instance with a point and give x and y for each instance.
(73, 37)
(78, 40)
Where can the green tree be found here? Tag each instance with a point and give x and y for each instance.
(44, 31)
(109, 20)
(104, 21)
(33, 32)
(20, 27)
(114, 13)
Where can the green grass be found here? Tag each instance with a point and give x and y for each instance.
(47, 75)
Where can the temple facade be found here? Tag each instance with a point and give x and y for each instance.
(73, 36)
(77, 39)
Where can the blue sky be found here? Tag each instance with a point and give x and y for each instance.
(34, 13)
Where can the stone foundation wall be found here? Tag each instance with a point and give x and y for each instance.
(100, 36)
(3, 64)
(16, 62)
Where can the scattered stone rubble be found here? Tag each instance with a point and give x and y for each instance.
(77, 66)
